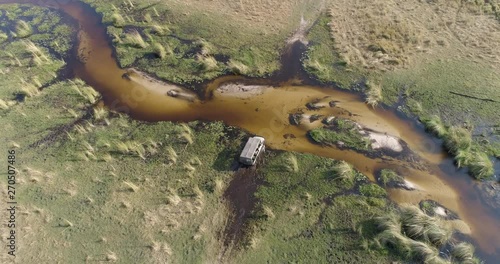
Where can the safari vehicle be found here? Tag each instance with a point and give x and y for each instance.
(253, 148)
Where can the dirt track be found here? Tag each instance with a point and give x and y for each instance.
(241, 198)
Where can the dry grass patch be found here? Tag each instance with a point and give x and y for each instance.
(392, 34)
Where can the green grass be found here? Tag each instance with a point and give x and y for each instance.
(305, 229)
(351, 138)
(189, 36)
(23, 29)
(372, 190)
(388, 176)
(323, 62)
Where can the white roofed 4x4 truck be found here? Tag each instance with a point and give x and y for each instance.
(253, 148)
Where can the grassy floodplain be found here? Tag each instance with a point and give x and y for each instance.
(191, 41)
(437, 64)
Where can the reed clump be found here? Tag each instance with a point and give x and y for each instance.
(292, 163)
(458, 142)
(417, 236)
(23, 29)
(135, 39)
(373, 93)
(344, 172)
(118, 20)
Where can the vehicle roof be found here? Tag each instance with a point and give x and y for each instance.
(250, 147)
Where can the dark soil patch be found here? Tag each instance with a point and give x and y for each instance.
(242, 201)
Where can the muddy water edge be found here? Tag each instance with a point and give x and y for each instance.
(266, 114)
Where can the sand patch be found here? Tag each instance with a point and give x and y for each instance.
(383, 141)
(241, 90)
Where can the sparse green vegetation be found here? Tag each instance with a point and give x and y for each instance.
(301, 222)
(388, 177)
(323, 61)
(372, 190)
(23, 29)
(342, 133)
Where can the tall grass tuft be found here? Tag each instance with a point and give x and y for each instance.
(463, 252)
(148, 18)
(23, 29)
(373, 94)
(171, 155)
(435, 125)
(135, 39)
(3, 105)
(3, 36)
(159, 51)
(237, 67)
(118, 20)
(293, 164)
(159, 30)
(458, 138)
(419, 226)
(344, 172)
(481, 166)
(99, 112)
(207, 63)
(423, 251)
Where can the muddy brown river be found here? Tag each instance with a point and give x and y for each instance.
(264, 108)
